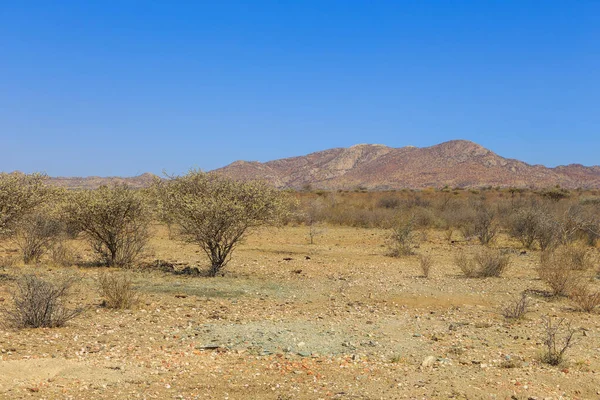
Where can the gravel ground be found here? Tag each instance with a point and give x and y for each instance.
(346, 323)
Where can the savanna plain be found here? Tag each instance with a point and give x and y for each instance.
(432, 294)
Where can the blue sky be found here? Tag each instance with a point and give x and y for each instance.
(124, 87)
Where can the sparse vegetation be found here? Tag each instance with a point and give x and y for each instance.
(402, 238)
(349, 269)
(115, 221)
(558, 338)
(116, 289)
(36, 234)
(486, 263)
(425, 263)
(40, 303)
(584, 297)
(559, 269)
(516, 308)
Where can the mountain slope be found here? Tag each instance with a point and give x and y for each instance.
(455, 163)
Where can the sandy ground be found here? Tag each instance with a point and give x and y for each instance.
(340, 320)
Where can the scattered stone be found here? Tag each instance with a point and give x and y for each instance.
(428, 362)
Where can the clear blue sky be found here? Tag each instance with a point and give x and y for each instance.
(124, 87)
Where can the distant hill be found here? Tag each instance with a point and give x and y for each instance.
(457, 163)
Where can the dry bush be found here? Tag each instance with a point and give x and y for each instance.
(478, 220)
(425, 263)
(578, 258)
(584, 298)
(117, 290)
(492, 262)
(467, 265)
(486, 263)
(62, 255)
(516, 308)
(558, 338)
(547, 237)
(115, 221)
(36, 234)
(40, 303)
(530, 224)
(485, 226)
(556, 269)
(402, 239)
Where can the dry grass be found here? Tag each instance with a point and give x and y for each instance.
(116, 288)
(425, 263)
(559, 269)
(487, 263)
(585, 298)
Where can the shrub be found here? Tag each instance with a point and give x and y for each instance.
(36, 234)
(217, 213)
(39, 303)
(584, 298)
(466, 265)
(20, 194)
(492, 262)
(547, 231)
(516, 308)
(117, 290)
(425, 262)
(479, 221)
(485, 226)
(61, 255)
(556, 346)
(486, 263)
(115, 221)
(557, 270)
(402, 239)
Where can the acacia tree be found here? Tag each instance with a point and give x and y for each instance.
(20, 194)
(115, 220)
(217, 213)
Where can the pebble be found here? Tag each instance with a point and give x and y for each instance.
(428, 362)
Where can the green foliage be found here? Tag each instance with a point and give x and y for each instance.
(115, 220)
(217, 213)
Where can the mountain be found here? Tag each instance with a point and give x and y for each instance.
(457, 163)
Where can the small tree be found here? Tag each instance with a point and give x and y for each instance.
(20, 194)
(217, 213)
(115, 220)
(485, 225)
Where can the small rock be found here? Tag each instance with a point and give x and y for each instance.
(428, 362)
